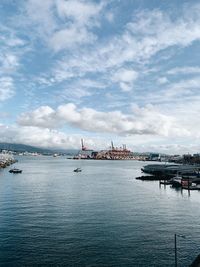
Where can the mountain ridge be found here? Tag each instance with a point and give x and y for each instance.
(33, 149)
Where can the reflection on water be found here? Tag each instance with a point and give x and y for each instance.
(50, 215)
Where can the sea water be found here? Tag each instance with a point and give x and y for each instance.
(102, 216)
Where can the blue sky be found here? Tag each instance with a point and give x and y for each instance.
(104, 70)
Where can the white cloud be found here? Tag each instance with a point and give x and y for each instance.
(41, 117)
(184, 91)
(82, 12)
(155, 30)
(39, 15)
(125, 78)
(6, 88)
(125, 75)
(46, 138)
(9, 62)
(140, 121)
(80, 16)
(184, 70)
(148, 33)
(183, 88)
(62, 24)
(162, 80)
(91, 58)
(70, 36)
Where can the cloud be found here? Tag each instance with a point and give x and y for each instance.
(169, 148)
(6, 88)
(62, 24)
(148, 33)
(10, 56)
(70, 36)
(92, 58)
(46, 138)
(125, 77)
(80, 16)
(183, 88)
(136, 44)
(184, 70)
(11, 50)
(42, 117)
(9, 62)
(39, 16)
(162, 80)
(142, 121)
(155, 30)
(82, 12)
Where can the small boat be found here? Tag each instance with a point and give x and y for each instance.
(78, 170)
(176, 181)
(15, 170)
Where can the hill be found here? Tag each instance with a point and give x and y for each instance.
(33, 149)
(23, 148)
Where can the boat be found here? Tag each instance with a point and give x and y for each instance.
(78, 170)
(176, 181)
(15, 170)
(170, 170)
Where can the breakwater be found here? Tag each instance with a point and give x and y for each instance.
(6, 160)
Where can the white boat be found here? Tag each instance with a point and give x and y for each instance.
(176, 181)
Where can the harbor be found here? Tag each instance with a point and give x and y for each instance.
(99, 138)
(112, 153)
(101, 216)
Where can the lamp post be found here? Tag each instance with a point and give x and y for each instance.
(175, 247)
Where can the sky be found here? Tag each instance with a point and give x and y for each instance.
(101, 70)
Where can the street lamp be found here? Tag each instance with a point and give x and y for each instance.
(175, 246)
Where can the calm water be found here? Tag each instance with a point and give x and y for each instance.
(51, 216)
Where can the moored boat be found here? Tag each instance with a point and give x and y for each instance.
(176, 181)
(15, 170)
(78, 170)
